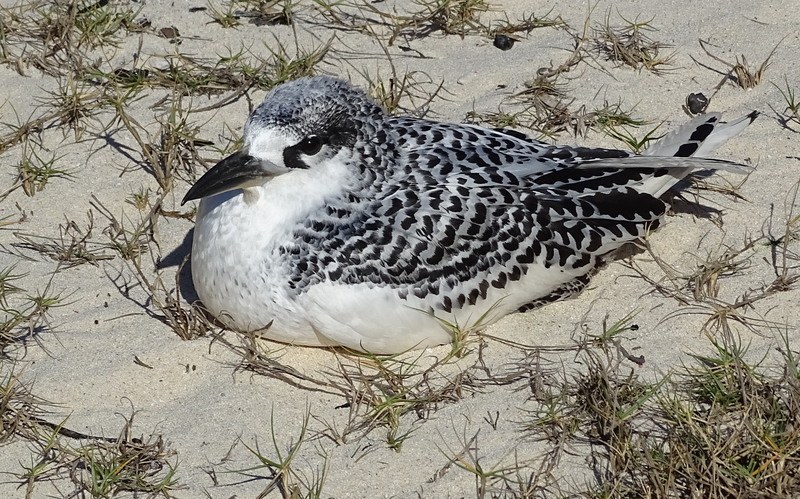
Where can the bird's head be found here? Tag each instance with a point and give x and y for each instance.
(299, 126)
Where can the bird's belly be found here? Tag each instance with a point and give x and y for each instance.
(371, 318)
(375, 318)
(355, 316)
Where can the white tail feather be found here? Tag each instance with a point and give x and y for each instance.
(669, 152)
(671, 142)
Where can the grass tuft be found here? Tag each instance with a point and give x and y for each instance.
(739, 72)
(34, 171)
(284, 477)
(790, 113)
(631, 46)
(23, 315)
(99, 466)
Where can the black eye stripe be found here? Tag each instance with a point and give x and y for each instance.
(340, 134)
(309, 146)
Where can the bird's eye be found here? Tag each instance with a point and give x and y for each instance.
(310, 145)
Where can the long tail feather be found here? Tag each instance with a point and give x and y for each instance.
(682, 151)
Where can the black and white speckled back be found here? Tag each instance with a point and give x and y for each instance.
(445, 212)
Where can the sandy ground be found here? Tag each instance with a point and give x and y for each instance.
(208, 410)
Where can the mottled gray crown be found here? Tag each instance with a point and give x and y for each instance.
(316, 105)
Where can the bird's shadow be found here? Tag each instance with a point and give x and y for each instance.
(179, 257)
(681, 204)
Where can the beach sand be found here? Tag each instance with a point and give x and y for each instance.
(105, 355)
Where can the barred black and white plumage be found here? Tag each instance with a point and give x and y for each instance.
(338, 224)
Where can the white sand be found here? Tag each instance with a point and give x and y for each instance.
(194, 397)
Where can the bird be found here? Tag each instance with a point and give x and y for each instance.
(339, 224)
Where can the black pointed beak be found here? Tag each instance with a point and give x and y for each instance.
(234, 172)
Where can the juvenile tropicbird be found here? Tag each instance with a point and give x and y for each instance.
(338, 224)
